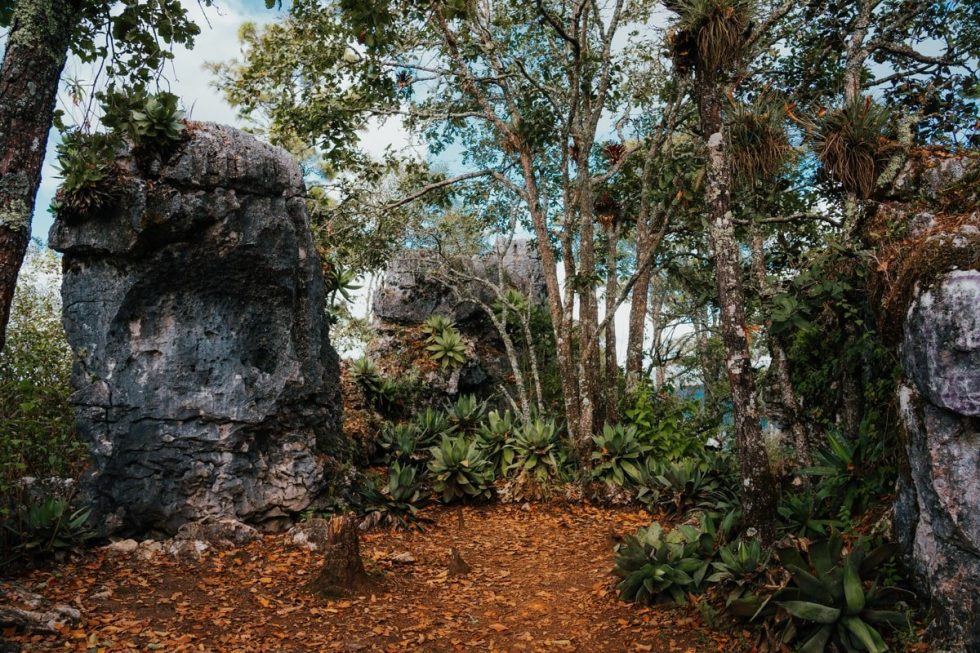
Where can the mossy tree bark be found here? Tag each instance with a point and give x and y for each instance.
(37, 46)
(758, 483)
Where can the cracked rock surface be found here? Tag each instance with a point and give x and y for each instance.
(205, 383)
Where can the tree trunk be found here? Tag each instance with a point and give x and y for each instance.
(612, 289)
(787, 392)
(343, 572)
(758, 484)
(37, 46)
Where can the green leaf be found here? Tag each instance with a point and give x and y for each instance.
(815, 612)
(853, 589)
(865, 634)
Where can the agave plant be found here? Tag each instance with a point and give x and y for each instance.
(466, 412)
(366, 375)
(431, 425)
(400, 442)
(850, 472)
(494, 437)
(398, 502)
(436, 325)
(460, 470)
(653, 566)
(741, 566)
(45, 527)
(684, 485)
(536, 450)
(803, 515)
(835, 599)
(448, 348)
(618, 455)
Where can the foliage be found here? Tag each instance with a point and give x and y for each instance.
(366, 374)
(435, 325)
(652, 565)
(835, 599)
(758, 140)
(400, 442)
(448, 348)
(681, 486)
(42, 528)
(466, 412)
(617, 455)
(851, 472)
(460, 470)
(495, 438)
(37, 430)
(854, 143)
(150, 121)
(536, 450)
(671, 426)
(741, 567)
(431, 425)
(400, 501)
(86, 166)
(804, 514)
(710, 34)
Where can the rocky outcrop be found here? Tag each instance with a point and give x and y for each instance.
(204, 379)
(418, 285)
(929, 283)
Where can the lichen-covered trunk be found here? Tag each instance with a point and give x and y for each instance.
(780, 363)
(590, 365)
(637, 327)
(758, 484)
(37, 46)
(612, 290)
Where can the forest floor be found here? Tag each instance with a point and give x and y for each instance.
(540, 580)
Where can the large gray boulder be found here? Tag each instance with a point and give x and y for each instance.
(938, 512)
(204, 379)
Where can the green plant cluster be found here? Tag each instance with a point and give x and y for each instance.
(152, 123)
(445, 343)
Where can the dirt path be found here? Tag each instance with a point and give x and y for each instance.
(540, 581)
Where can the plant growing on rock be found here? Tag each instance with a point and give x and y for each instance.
(617, 455)
(448, 348)
(367, 376)
(460, 470)
(87, 168)
(436, 325)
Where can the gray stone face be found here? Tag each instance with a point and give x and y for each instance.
(204, 379)
(937, 514)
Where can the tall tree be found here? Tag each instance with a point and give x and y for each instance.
(128, 36)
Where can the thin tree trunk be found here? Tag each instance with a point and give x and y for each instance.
(589, 360)
(787, 392)
(656, 303)
(637, 328)
(612, 289)
(37, 46)
(758, 484)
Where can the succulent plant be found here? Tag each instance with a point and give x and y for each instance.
(460, 470)
(536, 449)
(431, 425)
(495, 439)
(617, 455)
(448, 348)
(741, 566)
(466, 412)
(653, 566)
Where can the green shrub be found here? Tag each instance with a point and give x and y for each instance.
(87, 169)
(617, 455)
(37, 430)
(495, 439)
(400, 442)
(804, 515)
(681, 486)
(460, 470)
(671, 426)
(436, 325)
(42, 528)
(366, 374)
(835, 600)
(653, 566)
(399, 501)
(148, 120)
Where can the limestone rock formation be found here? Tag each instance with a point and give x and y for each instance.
(204, 379)
(929, 282)
(415, 288)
